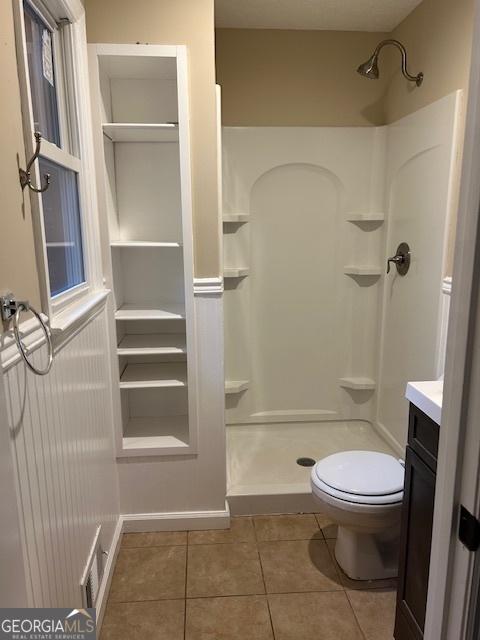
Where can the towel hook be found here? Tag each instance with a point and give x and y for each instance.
(25, 175)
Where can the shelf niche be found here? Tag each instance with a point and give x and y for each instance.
(142, 118)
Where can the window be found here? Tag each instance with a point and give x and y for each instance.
(48, 74)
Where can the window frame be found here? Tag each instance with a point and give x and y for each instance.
(66, 18)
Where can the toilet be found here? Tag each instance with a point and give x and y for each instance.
(362, 491)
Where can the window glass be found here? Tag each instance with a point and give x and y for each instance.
(39, 40)
(63, 231)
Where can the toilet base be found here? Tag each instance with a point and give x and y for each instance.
(366, 556)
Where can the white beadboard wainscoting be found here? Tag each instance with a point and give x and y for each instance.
(61, 437)
(154, 489)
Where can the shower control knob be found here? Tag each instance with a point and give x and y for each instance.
(401, 259)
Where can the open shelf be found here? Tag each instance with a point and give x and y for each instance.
(165, 432)
(139, 344)
(147, 312)
(235, 218)
(366, 217)
(140, 132)
(235, 386)
(357, 383)
(357, 270)
(154, 375)
(139, 244)
(235, 272)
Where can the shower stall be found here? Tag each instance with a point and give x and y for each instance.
(319, 341)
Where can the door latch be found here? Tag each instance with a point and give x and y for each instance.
(469, 530)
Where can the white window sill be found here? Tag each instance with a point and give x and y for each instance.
(78, 313)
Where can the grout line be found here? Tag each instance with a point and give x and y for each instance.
(185, 593)
(355, 616)
(231, 595)
(263, 577)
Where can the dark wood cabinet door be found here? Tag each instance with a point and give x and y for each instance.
(415, 545)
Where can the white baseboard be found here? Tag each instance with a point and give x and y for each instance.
(108, 573)
(176, 521)
(387, 436)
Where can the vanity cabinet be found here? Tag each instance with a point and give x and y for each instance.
(416, 527)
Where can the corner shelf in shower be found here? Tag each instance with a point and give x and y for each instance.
(365, 217)
(357, 270)
(235, 386)
(154, 375)
(235, 218)
(357, 383)
(140, 132)
(235, 272)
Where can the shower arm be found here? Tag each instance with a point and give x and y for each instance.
(418, 79)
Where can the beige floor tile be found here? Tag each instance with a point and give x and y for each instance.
(329, 529)
(348, 583)
(241, 530)
(233, 618)
(149, 573)
(298, 565)
(161, 620)
(223, 570)
(154, 539)
(375, 611)
(304, 616)
(287, 527)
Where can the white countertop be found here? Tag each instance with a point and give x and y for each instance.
(428, 397)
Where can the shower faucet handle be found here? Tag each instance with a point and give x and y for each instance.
(401, 259)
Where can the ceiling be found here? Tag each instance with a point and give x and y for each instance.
(332, 15)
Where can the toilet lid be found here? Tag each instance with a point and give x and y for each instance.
(366, 473)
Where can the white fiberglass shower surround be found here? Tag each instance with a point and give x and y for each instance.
(319, 341)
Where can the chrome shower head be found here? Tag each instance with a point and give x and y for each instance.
(369, 69)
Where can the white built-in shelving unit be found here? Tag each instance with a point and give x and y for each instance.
(142, 97)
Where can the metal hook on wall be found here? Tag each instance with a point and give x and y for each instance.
(25, 175)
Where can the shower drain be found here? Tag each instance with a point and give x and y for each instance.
(306, 462)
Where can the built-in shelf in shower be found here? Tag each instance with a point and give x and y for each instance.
(365, 217)
(357, 270)
(235, 218)
(235, 386)
(235, 272)
(357, 383)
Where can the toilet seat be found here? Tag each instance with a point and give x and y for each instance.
(360, 477)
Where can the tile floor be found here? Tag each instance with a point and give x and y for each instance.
(266, 578)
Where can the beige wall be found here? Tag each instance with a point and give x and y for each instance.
(18, 271)
(306, 78)
(438, 38)
(187, 22)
